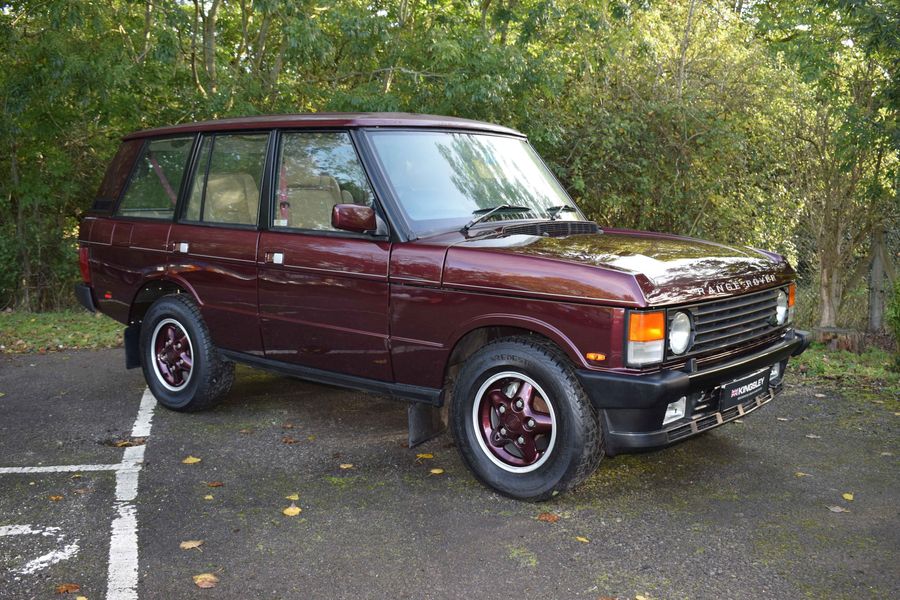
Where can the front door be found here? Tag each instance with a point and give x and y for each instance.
(213, 245)
(323, 293)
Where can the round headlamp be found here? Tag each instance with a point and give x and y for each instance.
(781, 308)
(680, 333)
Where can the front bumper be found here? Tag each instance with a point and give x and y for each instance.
(634, 405)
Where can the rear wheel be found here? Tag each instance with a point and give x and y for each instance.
(183, 369)
(522, 421)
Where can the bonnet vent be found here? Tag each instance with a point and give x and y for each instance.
(553, 228)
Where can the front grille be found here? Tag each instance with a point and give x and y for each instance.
(722, 324)
(552, 228)
(718, 418)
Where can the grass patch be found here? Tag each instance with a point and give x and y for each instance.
(865, 376)
(52, 331)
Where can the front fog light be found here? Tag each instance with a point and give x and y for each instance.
(675, 410)
(775, 373)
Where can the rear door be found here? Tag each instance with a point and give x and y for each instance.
(323, 293)
(214, 243)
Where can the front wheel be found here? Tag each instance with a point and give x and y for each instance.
(522, 421)
(183, 369)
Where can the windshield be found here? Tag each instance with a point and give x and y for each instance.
(443, 180)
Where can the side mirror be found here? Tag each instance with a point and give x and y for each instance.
(353, 217)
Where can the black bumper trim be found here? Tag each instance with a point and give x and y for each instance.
(624, 442)
(85, 297)
(617, 390)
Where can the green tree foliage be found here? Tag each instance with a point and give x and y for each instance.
(754, 124)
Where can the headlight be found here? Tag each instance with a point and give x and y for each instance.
(680, 333)
(781, 308)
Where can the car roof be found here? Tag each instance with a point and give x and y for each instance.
(327, 120)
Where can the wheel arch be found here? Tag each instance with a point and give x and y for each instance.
(469, 339)
(153, 290)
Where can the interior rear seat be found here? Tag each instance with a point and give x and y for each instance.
(231, 198)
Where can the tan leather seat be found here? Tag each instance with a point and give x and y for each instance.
(311, 199)
(231, 198)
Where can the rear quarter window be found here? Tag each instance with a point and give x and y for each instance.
(116, 175)
(152, 191)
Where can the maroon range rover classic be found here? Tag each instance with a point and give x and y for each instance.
(434, 260)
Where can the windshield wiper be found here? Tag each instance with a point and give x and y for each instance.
(484, 213)
(555, 210)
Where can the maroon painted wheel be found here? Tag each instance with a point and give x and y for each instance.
(172, 355)
(516, 422)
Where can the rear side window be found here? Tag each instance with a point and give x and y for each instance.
(227, 179)
(153, 189)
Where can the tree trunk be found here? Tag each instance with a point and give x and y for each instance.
(24, 257)
(829, 293)
(876, 282)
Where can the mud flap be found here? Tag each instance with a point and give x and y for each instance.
(425, 422)
(132, 346)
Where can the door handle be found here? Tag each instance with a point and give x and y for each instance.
(276, 258)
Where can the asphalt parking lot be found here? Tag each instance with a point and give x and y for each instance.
(741, 512)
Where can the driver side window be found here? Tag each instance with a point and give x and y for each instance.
(316, 171)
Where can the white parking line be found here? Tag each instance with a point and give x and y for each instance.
(122, 574)
(52, 557)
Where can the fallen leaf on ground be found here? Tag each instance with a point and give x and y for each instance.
(802, 474)
(424, 455)
(640, 597)
(190, 544)
(215, 484)
(819, 395)
(81, 598)
(2, 394)
(245, 431)
(782, 418)
(813, 436)
(582, 539)
(311, 438)
(437, 471)
(737, 421)
(205, 580)
(208, 497)
(848, 496)
(287, 426)
(293, 497)
(292, 511)
(191, 460)
(838, 509)
(55, 498)
(887, 454)
(67, 588)
(81, 491)
(76, 476)
(346, 466)
(289, 440)
(548, 517)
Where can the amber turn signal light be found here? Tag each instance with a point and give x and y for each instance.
(647, 326)
(792, 294)
(595, 356)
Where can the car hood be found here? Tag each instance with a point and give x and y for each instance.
(607, 266)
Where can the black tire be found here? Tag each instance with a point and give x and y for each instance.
(577, 447)
(210, 375)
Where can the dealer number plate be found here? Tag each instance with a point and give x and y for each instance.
(741, 390)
